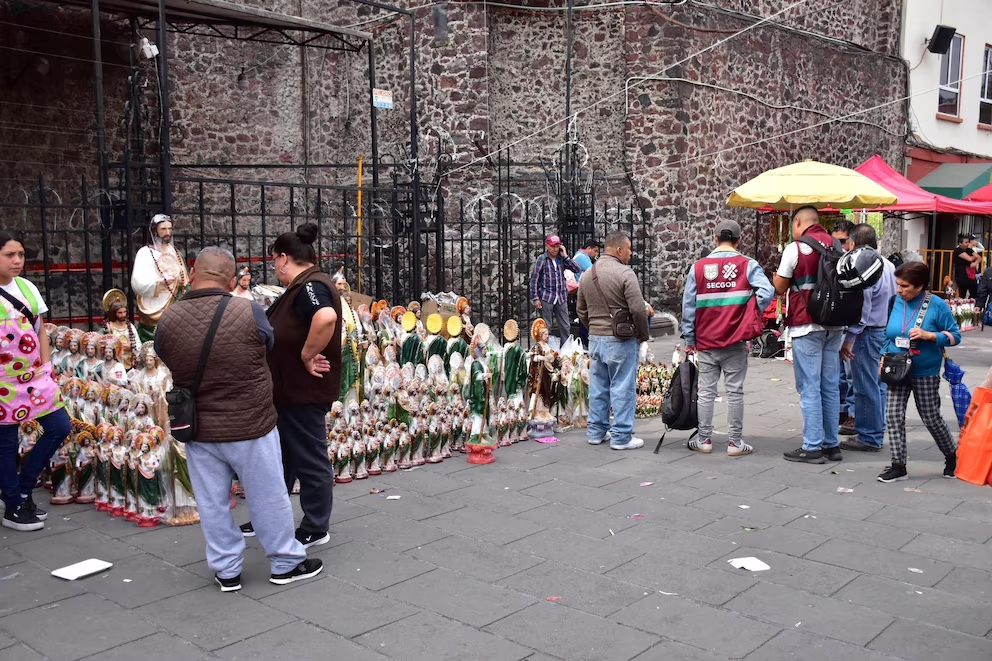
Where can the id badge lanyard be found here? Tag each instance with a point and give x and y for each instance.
(919, 314)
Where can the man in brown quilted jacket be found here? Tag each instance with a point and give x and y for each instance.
(236, 422)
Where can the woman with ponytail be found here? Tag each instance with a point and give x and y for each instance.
(306, 375)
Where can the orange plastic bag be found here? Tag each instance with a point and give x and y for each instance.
(975, 442)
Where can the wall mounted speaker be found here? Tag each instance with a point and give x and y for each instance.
(940, 41)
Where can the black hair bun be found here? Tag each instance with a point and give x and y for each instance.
(307, 233)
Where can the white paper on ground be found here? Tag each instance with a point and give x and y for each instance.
(749, 564)
(82, 569)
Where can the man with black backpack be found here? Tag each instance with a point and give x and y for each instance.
(725, 293)
(817, 312)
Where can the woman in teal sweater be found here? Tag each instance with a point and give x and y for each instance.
(926, 344)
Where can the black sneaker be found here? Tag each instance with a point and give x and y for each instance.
(950, 465)
(833, 454)
(857, 445)
(247, 530)
(29, 506)
(894, 473)
(806, 456)
(309, 539)
(228, 584)
(306, 569)
(21, 519)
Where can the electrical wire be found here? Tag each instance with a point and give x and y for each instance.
(39, 107)
(66, 34)
(614, 95)
(801, 129)
(64, 57)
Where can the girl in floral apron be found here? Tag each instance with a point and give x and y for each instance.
(27, 389)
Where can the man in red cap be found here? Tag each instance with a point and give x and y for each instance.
(547, 285)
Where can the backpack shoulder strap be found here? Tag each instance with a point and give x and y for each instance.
(813, 243)
(892, 303)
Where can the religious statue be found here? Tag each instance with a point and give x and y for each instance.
(152, 378)
(148, 483)
(542, 366)
(242, 287)
(465, 314)
(90, 368)
(114, 371)
(92, 411)
(60, 350)
(183, 511)
(479, 389)
(74, 338)
(343, 466)
(158, 276)
(118, 323)
(85, 466)
(514, 364)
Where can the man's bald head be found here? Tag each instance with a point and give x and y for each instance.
(802, 218)
(214, 267)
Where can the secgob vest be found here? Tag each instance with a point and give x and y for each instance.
(726, 308)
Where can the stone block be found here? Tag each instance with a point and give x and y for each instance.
(577, 495)
(920, 604)
(27, 585)
(592, 593)
(673, 544)
(663, 488)
(967, 583)
(20, 652)
(705, 627)
(573, 635)
(487, 562)
(75, 546)
(336, 605)
(584, 475)
(371, 567)
(914, 641)
(576, 519)
(763, 536)
(658, 511)
(801, 646)
(973, 510)
(502, 476)
(873, 560)
(802, 610)
(148, 579)
(669, 650)
(835, 504)
(834, 526)
(758, 510)
(429, 636)
(731, 485)
(80, 626)
(459, 597)
(425, 483)
(924, 501)
(296, 640)
(177, 545)
(707, 585)
(954, 551)
(491, 496)
(934, 524)
(484, 526)
(587, 553)
(410, 506)
(389, 531)
(799, 573)
(157, 646)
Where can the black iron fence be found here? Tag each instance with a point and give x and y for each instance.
(80, 245)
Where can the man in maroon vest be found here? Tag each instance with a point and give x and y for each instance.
(725, 293)
(815, 348)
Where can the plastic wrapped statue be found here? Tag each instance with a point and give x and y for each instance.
(101, 465)
(158, 275)
(60, 350)
(373, 451)
(61, 468)
(28, 435)
(118, 324)
(154, 379)
(389, 442)
(404, 447)
(412, 350)
(74, 339)
(148, 463)
(114, 372)
(140, 414)
(465, 314)
(92, 411)
(181, 505)
(542, 366)
(479, 390)
(90, 368)
(358, 456)
(86, 477)
(343, 461)
(116, 469)
(579, 390)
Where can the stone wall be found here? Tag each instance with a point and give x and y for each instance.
(674, 146)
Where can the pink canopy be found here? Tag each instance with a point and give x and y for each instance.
(983, 194)
(913, 198)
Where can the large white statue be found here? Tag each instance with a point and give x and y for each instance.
(158, 276)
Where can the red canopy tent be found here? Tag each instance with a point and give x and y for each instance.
(983, 194)
(913, 198)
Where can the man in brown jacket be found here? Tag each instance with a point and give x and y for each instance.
(236, 422)
(607, 289)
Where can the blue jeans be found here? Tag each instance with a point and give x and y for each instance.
(847, 401)
(869, 390)
(15, 486)
(612, 383)
(816, 362)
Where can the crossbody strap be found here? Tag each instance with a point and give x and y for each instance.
(205, 351)
(923, 310)
(19, 306)
(595, 281)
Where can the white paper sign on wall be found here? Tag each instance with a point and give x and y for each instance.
(382, 99)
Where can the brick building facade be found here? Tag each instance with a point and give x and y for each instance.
(674, 146)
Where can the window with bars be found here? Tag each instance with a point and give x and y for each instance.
(985, 103)
(950, 78)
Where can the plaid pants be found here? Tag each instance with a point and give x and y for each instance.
(926, 393)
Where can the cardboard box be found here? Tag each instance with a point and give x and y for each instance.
(446, 310)
(357, 300)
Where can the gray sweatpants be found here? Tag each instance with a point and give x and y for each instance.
(258, 465)
(732, 362)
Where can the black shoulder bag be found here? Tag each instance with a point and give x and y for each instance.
(19, 306)
(182, 401)
(897, 367)
(623, 321)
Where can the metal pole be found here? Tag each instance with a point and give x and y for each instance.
(374, 113)
(569, 37)
(165, 123)
(101, 147)
(414, 157)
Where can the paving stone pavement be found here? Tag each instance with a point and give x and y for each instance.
(536, 557)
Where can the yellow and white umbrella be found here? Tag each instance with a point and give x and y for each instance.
(814, 183)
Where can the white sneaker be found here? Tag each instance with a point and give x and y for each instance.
(594, 441)
(632, 444)
(696, 445)
(739, 450)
